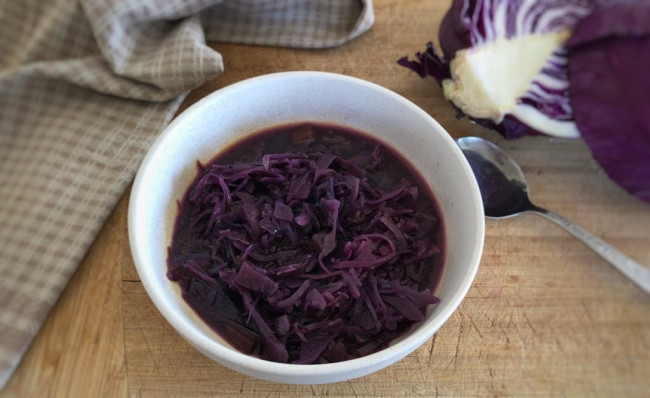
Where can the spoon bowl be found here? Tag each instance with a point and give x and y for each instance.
(502, 183)
(505, 194)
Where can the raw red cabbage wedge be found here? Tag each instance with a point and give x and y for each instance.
(562, 68)
(609, 64)
(505, 65)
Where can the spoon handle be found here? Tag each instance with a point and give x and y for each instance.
(630, 268)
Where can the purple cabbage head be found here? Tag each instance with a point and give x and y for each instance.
(609, 64)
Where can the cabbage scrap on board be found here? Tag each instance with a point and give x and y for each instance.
(564, 68)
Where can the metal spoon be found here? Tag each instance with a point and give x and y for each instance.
(505, 194)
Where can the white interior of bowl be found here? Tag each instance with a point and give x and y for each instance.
(227, 115)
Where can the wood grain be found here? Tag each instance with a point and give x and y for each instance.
(545, 316)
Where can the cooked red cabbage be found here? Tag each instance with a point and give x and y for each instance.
(308, 244)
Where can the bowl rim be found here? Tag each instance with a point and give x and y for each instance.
(238, 359)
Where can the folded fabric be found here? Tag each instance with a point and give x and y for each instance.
(85, 88)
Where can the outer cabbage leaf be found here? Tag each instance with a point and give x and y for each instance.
(609, 64)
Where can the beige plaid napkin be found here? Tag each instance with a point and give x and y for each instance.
(85, 87)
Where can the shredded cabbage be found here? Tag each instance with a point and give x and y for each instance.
(305, 257)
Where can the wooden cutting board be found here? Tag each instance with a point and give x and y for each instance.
(545, 316)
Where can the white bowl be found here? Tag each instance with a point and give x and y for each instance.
(231, 113)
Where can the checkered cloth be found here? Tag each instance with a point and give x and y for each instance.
(85, 87)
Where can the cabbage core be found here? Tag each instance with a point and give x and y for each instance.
(488, 80)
